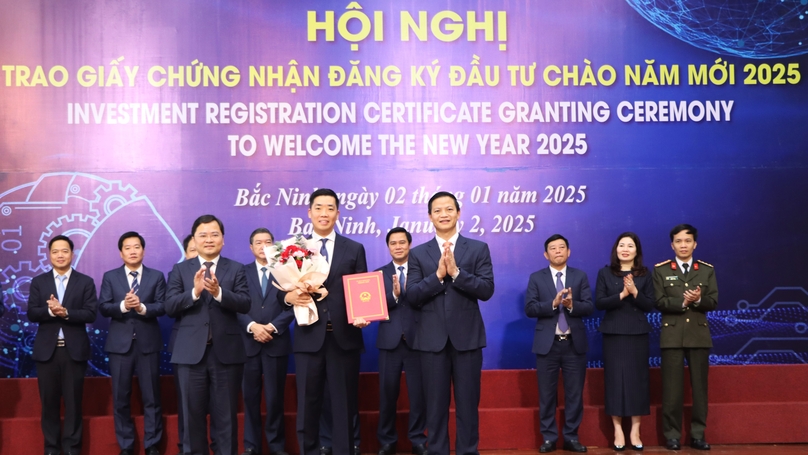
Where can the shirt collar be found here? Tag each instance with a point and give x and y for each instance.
(258, 265)
(452, 239)
(139, 270)
(554, 271)
(689, 264)
(67, 274)
(215, 261)
(331, 236)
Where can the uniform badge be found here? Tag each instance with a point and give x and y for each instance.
(671, 278)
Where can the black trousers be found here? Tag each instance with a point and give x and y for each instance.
(273, 370)
(391, 363)
(341, 369)
(442, 370)
(61, 378)
(122, 367)
(562, 357)
(211, 384)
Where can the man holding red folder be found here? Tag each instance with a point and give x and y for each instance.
(331, 346)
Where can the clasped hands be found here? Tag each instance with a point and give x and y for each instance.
(56, 308)
(692, 296)
(628, 287)
(205, 284)
(446, 264)
(564, 297)
(131, 301)
(262, 333)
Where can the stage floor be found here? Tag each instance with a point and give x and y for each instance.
(725, 449)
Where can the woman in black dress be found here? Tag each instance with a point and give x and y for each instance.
(625, 290)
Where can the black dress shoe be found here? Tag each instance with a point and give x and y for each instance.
(279, 452)
(357, 450)
(673, 444)
(618, 448)
(325, 450)
(419, 449)
(126, 452)
(574, 446)
(387, 449)
(250, 451)
(699, 444)
(637, 448)
(547, 447)
(153, 450)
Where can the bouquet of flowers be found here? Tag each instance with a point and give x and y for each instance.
(298, 266)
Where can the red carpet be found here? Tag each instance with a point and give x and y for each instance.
(748, 404)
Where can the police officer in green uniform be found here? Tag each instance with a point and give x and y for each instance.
(685, 291)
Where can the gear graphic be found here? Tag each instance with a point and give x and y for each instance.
(112, 197)
(79, 227)
(15, 281)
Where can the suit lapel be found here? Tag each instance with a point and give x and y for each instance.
(460, 249)
(123, 282)
(550, 281)
(434, 250)
(72, 284)
(339, 246)
(252, 276)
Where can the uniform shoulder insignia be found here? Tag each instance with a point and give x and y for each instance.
(663, 263)
(705, 263)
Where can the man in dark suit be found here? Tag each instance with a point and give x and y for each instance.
(132, 295)
(63, 301)
(396, 353)
(331, 346)
(558, 297)
(447, 278)
(265, 330)
(685, 291)
(208, 292)
(189, 246)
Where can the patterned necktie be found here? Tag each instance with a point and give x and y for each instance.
(264, 281)
(324, 250)
(562, 317)
(402, 280)
(135, 284)
(60, 292)
(207, 265)
(685, 266)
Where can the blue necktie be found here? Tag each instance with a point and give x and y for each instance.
(60, 293)
(264, 281)
(207, 265)
(401, 279)
(324, 250)
(562, 317)
(135, 284)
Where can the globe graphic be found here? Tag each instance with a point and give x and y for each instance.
(745, 28)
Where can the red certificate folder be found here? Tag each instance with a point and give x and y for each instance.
(364, 297)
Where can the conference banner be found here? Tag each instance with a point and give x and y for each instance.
(587, 118)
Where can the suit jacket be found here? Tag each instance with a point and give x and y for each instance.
(684, 327)
(541, 290)
(152, 292)
(206, 314)
(348, 258)
(627, 316)
(403, 318)
(264, 310)
(450, 310)
(81, 303)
